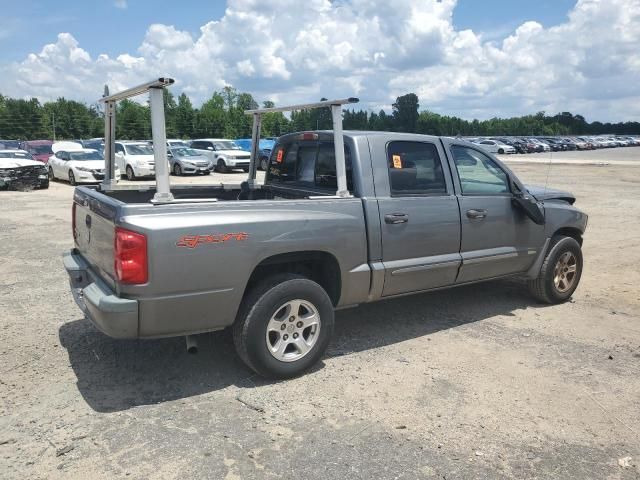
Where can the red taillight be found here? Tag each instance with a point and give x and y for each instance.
(130, 257)
(73, 222)
(309, 136)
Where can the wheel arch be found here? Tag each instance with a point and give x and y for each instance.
(319, 266)
(572, 232)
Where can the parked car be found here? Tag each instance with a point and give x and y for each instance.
(19, 170)
(174, 142)
(10, 144)
(495, 146)
(39, 149)
(135, 159)
(541, 145)
(265, 145)
(187, 160)
(224, 155)
(74, 163)
(273, 261)
(554, 144)
(519, 145)
(94, 145)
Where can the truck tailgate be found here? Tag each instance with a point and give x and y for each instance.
(94, 231)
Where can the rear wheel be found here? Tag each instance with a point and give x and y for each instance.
(560, 273)
(72, 178)
(284, 326)
(263, 163)
(131, 175)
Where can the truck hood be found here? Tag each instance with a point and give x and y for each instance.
(543, 193)
(141, 158)
(18, 162)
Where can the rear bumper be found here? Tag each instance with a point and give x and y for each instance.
(114, 316)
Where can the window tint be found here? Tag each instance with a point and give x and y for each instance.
(311, 164)
(326, 176)
(478, 173)
(119, 148)
(415, 169)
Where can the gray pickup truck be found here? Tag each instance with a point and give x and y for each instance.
(274, 261)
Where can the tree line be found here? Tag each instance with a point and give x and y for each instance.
(223, 116)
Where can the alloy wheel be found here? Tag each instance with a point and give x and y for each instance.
(293, 330)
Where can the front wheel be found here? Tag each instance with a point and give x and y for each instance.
(221, 166)
(560, 273)
(72, 178)
(500, 151)
(51, 175)
(177, 170)
(284, 326)
(131, 175)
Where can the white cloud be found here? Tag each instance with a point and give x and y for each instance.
(277, 50)
(122, 4)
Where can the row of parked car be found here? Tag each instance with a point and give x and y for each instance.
(82, 161)
(508, 145)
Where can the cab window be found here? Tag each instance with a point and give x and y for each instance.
(415, 168)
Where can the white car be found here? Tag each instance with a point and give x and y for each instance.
(494, 146)
(19, 167)
(135, 159)
(72, 162)
(224, 155)
(545, 146)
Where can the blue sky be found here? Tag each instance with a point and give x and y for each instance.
(472, 58)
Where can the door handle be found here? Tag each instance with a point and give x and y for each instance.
(395, 218)
(476, 213)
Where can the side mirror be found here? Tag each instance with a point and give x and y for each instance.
(529, 206)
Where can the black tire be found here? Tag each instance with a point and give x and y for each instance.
(131, 175)
(500, 151)
(544, 287)
(51, 175)
(44, 185)
(177, 170)
(221, 166)
(264, 163)
(264, 301)
(206, 173)
(245, 170)
(72, 179)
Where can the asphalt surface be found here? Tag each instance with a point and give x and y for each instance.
(474, 382)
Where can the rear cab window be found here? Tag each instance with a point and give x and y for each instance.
(307, 164)
(415, 169)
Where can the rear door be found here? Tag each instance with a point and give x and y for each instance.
(497, 237)
(419, 215)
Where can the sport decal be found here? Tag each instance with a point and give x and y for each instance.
(193, 241)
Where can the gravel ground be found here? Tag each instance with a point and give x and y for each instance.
(474, 382)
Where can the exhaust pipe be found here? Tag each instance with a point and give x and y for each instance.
(192, 344)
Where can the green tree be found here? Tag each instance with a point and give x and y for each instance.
(405, 112)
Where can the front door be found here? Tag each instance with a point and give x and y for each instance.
(419, 216)
(497, 237)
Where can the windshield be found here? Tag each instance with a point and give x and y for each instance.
(23, 155)
(41, 149)
(177, 144)
(138, 149)
(228, 145)
(84, 156)
(185, 152)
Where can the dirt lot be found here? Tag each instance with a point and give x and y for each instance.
(475, 382)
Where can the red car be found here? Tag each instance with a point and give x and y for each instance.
(39, 149)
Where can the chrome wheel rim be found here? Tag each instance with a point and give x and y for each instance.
(293, 330)
(565, 272)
